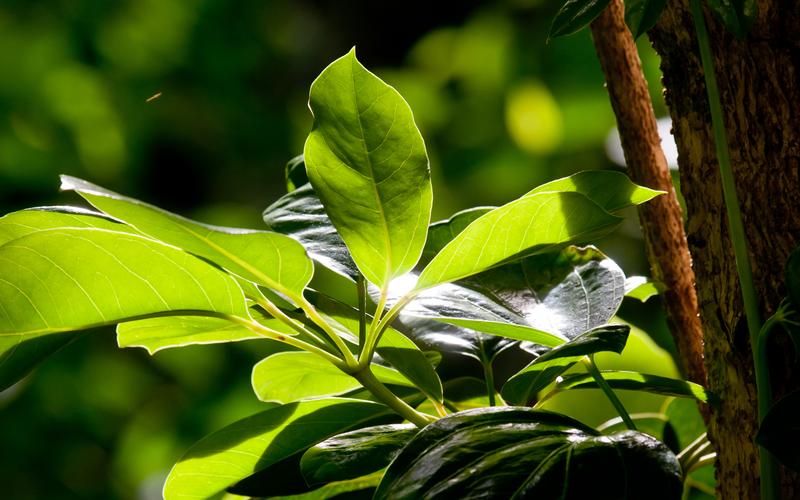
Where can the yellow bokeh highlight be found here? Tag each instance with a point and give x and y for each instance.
(533, 118)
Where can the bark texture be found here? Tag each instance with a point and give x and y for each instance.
(759, 81)
(661, 218)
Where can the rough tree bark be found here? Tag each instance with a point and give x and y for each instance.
(759, 80)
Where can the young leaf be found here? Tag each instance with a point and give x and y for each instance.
(355, 453)
(575, 15)
(736, 15)
(269, 259)
(286, 377)
(635, 381)
(18, 224)
(611, 190)
(642, 289)
(523, 453)
(155, 334)
(254, 443)
(300, 214)
(536, 223)
(641, 15)
(58, 280)
(780, 433)
(368, 164)
(523, 387)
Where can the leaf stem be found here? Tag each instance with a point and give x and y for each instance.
(372, 339)
(361, 285)
(588, 362)
(314, 316)
(769, 468)
(488, 377)
(380, 391)
(278, 314)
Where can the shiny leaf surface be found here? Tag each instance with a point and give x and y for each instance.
(575, 15)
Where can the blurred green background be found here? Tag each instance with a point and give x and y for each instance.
(501, 111)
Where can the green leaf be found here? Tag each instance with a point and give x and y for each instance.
(338, 488)
(296, 173)
(524, 453)
(611, 190)
(574, 15)
(780, 431)
(18, 224)
(686, 421)
(737, 15)
(635, 381)
(415, 366)
(300, 214)
(254, 443)
(286, 377)
(641, 15)
(20, 354)
(69, 279)
(155, 334)
(368, 164)
(541, 372)
(536, 223)
(642, 289)
(355, 453)
(269, 259)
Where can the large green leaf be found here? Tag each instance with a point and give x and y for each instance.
(254, 443)
(641, 15)
(737, 15)
(300, 214)
(155, 334)
(780, 431)
(575, 15)
(501, 453)
(18, 224)
(536, 223)
(59, 280)
(368, 164)
(610, 189)
(635, 381)
(269, 259)
(523, 387)
(286, 377)
(355, 453)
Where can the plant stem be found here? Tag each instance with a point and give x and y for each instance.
(373, 385)
(488, 377)
(278, 314)
(265, 332)
(313, 315)
(365, 358)
(361, 285)
(588, 362)
(769, 468)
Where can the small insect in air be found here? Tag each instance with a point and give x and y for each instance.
(153, 97)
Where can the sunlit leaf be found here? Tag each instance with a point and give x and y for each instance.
(575, 15)
(541, 372)
(368, 164)
(254, 443)
(18, 224)
(536, 223)
(286, 377)
(355, 453)
(269, 259)
(523, 453)
(642, 289)
(610, 189)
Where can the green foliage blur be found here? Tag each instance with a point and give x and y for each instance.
(196, 106)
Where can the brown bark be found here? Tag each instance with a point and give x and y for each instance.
(759, 82)
(661, 218)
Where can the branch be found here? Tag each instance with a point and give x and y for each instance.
(661, 218)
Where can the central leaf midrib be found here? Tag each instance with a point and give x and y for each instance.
(384, 225)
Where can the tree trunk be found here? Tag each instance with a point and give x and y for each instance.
(759, 83)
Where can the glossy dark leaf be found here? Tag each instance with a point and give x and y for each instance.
(736, 15)
(780, 431)
(523, 387)
(415, 366)
(641, 15)
(300, 214)
(355, 453)
(524, 453)
(635, 381)
(575, 15)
